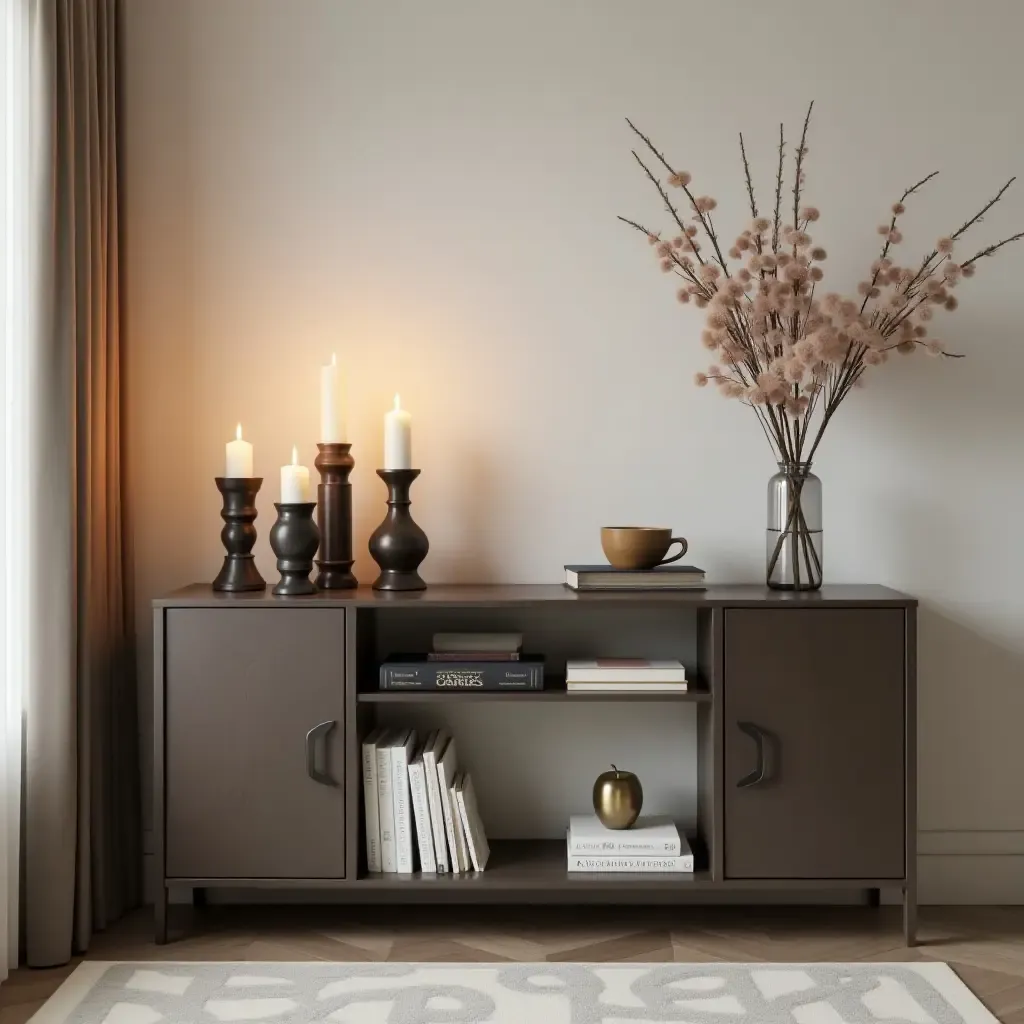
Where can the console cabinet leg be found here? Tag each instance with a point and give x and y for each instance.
(910, 916)
(198, 896)
(874, 897)
(160, 916)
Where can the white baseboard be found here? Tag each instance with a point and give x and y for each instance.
(954, 867)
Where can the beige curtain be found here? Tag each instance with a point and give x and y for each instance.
(81, 815)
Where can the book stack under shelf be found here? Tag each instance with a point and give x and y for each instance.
(625, 676)
(652, 845)
(460, 662)
(420, 808)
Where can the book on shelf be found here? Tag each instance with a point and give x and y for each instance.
(401, 754)
(427, 811)
(606, 577)
(472, 825)
(371, 806)
(624, 670)
(432, 752)
(421, 811)
(416, 672)
(650, 835)
(462, 643)
(626, 687)
(639, 863)
(458, 656)
(461, 847)
(447, 768)
(636, 864)
(385, 802)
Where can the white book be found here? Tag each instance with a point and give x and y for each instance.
(638, 865)
(626, 687)
(624, 670)
(421, 814)
(435, 746)
(385, 804)
(371, 805)
(476, 838)
(461, 846)
(492, 643)
(446, 770)
(650, 834)
(401, 754)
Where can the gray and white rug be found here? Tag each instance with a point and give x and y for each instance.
(101, 992)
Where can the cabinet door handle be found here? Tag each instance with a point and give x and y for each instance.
(315, 734)
(761, 768)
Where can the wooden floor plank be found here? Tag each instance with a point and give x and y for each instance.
(984, 945)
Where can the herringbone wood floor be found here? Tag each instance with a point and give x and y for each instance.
(985, 945)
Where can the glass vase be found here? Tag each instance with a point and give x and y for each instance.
(794, 550)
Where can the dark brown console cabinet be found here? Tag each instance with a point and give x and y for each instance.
(805, 711)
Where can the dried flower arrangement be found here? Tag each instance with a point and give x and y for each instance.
(789, 354)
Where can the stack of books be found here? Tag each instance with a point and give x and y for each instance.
(466, 661)
(606, 577)
(625, 675)
(653, 844)
(420, 806)
(477, 647)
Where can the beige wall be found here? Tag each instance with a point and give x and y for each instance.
(431, 190)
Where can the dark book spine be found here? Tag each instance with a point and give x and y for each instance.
(469, 657)
(450, 678)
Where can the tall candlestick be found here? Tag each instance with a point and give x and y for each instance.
(238, 456)
(397, 438)
(294, 482)
(332, 405)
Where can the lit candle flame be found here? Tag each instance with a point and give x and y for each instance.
(334, 359)
(398, 401)
(238, 432)
(295, 456)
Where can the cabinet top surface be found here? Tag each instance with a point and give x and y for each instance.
(201, 595)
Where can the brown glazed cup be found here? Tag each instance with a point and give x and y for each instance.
(639, 547)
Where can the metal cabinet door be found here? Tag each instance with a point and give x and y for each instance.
(254, 743)
(814, 743)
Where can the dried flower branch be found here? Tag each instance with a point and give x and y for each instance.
(750, 181)
(778, 193)
(791, 354)
(798, 178)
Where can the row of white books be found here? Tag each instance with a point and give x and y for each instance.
(653, 844)
(420, 807)
(624, 675)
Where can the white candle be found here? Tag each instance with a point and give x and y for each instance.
(397, 438)
(332, 408)
(238, 456)
(294, 482)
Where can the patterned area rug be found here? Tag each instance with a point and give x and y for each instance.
(101, 992)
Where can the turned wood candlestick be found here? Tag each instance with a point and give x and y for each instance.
(294, 539)
(239, 572)
(398, 545)
(334, 517)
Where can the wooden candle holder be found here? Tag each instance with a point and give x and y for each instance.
(334, 517)
(239, 572)
(294, 539)
(398, 545)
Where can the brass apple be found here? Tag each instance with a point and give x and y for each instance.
(618, 797)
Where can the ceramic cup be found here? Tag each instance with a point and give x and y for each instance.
(640, 547)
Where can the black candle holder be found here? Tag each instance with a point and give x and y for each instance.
(294, 538)
(239, 572)
(334, 517)
(398, 545)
